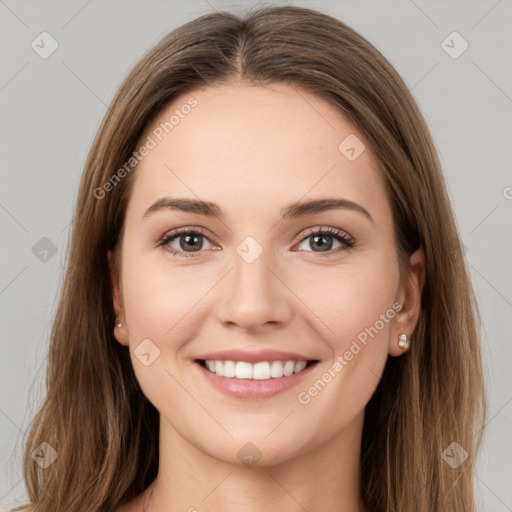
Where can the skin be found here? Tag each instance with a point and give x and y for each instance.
(254, 150)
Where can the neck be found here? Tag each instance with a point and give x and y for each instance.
(323, 478)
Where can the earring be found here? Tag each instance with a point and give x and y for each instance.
(119, 324)
(403, 341)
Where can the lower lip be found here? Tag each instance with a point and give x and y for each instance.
(254, 389)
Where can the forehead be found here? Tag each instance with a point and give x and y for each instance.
(245, 146)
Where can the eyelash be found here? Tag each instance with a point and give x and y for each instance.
(335, 233)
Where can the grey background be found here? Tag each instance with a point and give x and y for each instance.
(50, 109)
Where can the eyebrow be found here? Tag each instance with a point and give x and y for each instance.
(294, 210)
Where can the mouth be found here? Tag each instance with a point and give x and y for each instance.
(263, 370)
(259, 380)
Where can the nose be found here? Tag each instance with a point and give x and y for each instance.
(254, 296)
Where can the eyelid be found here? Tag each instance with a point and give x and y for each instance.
(185, 230)
(330, 230)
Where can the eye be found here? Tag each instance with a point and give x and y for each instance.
(184, 242)
(324, 238)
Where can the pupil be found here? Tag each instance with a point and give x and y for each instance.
(320, 240)
(191, 241)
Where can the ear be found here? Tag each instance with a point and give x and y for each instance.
(409, 296)
(120, 333)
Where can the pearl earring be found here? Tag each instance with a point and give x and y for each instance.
(119, 324)
(403, 341)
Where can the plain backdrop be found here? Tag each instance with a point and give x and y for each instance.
(50, 109)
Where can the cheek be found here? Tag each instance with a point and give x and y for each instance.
(160, 304)
(350, 299)
(357, 308)
(162, 300)
(153, 295)
(354, 306)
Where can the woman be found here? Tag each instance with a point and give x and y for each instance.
(209, 353)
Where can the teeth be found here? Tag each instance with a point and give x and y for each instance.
(299, 366)
(229, 369)
(288, 368)
(276, 369)
(243, 370)
(259, 371)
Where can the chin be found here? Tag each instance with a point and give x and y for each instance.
(255, 451)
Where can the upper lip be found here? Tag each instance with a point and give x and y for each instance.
(254, 357)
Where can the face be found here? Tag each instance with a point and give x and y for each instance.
(249, 280)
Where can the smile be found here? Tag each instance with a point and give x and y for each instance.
(253, 381)
(263, 370)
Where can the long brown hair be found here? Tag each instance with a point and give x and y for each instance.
(95, 415)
